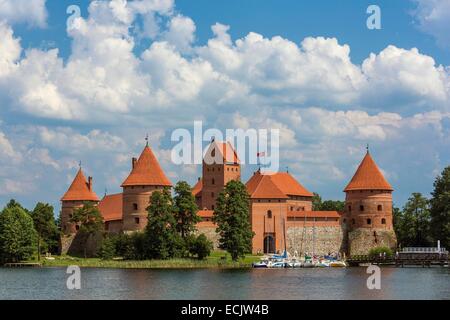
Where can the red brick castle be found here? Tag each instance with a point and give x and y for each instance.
(280, 207)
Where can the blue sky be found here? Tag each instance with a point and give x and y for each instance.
(309, 68)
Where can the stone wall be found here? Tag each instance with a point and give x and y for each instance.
(209, 230)
(327, 239)
(81, 245)
(361, 240)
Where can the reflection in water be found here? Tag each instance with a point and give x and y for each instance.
(234, 284)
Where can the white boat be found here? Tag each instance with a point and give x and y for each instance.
(338, 264)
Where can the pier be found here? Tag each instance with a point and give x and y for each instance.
(425, 257)
(23, 265)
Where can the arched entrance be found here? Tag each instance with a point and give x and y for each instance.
(269, 244)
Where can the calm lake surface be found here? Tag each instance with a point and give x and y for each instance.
(350, 283)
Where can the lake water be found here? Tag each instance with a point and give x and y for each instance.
(349, 283)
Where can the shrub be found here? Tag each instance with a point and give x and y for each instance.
(108, 248)
(375, 252)
(199, 246)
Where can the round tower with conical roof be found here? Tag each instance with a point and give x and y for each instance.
(79, 192)
(146, 177)
(368, 209)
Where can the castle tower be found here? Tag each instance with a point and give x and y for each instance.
(146, 176)
(368, 209)
(79, 192)
(272, 197)
(220, 165)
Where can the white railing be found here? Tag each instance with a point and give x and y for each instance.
(423, 250)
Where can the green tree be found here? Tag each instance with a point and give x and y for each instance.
(332, 205)
(440, 208)
(233, 219)
(17, 235)
(161, 237)
(397, 221)
(415, 224)
(316, 202)
(89, 218)
(13, 203)
(45, 226)
(199, 246)
(108, 248)
(185, 209)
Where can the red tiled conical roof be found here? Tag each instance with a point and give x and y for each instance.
(275, 186)
(368, 177)
(80, 190)
(147, 172)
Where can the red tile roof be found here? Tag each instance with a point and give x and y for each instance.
(314, 214)
(205, 213)
(147, 172)
(226, 150)
(197, 188)
(111, 207)
(368, 177)
(79, 190)
(275, 186)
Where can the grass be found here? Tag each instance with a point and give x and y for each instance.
(215, 260)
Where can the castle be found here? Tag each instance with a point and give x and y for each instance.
(280, 207)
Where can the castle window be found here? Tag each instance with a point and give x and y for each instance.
(349, 208)
(213, 153)
(292, 208)
(136, 220)
(361, 208)
(212, 207)
(77, 227)
(213, 181)
(269, 214)
(353, 221)
(369, 221)
(380, 207)
(383, 221)
(228, 169)
(135, 206)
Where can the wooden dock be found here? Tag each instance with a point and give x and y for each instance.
(423, 260)
(23, 265)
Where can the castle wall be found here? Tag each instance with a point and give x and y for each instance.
(320, 240)
(361, 240)
(136, 200)
(209, 230)
(67, 210)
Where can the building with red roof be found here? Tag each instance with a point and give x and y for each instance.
(368, 208)
(80, 191)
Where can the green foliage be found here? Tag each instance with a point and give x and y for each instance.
(375, 252)
(233, 219)
(108, 249)
(45, 226)
(13, 204)
(17, 235)
(185, 209)
(440, 208)
(89, 218)
(199, 246)
(327, 205)
(316, 202)
(162, 240)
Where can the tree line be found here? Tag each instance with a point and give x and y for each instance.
(171, 227)
(170, 231)
(422, 221)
